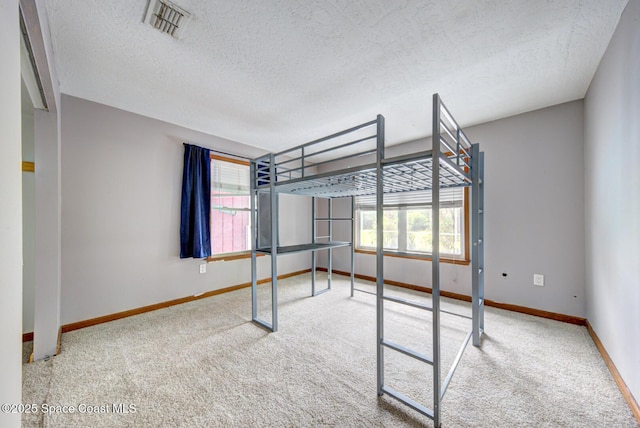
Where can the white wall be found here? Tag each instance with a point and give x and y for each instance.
(534, 217)
(11, 212)
(121, 180)
(612, 151)
(48, 233)
(28, 216)
(46, 130)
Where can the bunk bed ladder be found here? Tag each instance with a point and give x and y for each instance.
(443, 150)
(477, 238)
(434, 359)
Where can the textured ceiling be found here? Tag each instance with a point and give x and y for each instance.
(277, 73)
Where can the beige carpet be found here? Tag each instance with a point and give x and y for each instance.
(205, 364)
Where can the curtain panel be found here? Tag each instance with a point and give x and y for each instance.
(195, 210)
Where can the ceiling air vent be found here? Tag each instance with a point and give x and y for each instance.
(167, 17)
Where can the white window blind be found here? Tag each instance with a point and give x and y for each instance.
(230, 207)
(449, 197)
(229, 179)
(407, 222)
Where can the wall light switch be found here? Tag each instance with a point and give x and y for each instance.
(203, 268)
(538, 280)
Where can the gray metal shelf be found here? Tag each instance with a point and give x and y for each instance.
(290, 249)
(316, 169)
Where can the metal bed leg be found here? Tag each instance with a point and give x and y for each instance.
(313, 241)
(313, 273)
(379, 256)
(254, 225)
(353, 243)
(253, 191)
(274, 243)
(435, 257)
(330, 252)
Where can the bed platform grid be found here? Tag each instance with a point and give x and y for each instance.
(352, 163)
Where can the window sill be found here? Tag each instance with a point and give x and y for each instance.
(462, 262)
(230, 257)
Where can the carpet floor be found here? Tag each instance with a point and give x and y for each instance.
(205, 364)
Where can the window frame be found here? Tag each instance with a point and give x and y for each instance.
(236, 255)
(463, 259)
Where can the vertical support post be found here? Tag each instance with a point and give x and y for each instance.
(435, 257)
(313, 241)
(330, 234)
(254, 244)
(353, 242)
(481, 253)
(274, 242)
(458, 147)
(379, 253)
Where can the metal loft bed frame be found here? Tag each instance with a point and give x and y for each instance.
(342, 165)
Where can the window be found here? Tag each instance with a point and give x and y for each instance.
(230, 207)
(407, 223)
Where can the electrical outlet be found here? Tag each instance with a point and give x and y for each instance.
(203, 268)
(538, 280)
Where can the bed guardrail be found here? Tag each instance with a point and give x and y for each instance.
(306, 159)
(455, 147)
(355, 145)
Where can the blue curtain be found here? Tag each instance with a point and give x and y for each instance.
(195, 231)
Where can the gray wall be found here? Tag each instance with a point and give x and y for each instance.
(612, 150)
(11, 212)
(533, 212)
(534, 208)
(121, 185)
